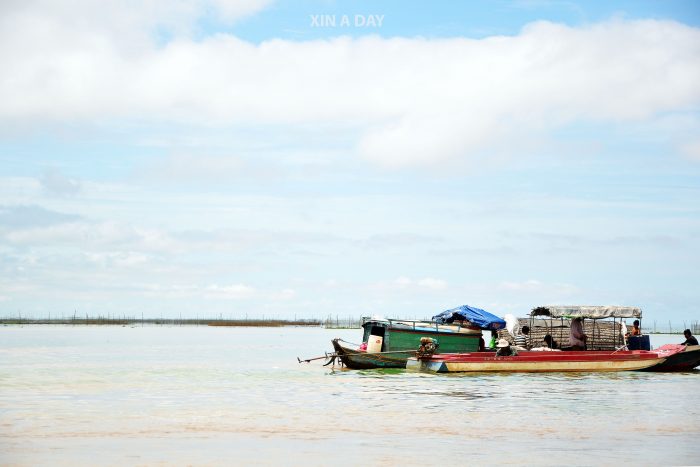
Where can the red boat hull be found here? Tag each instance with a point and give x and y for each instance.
(678, 358)
(539, 361)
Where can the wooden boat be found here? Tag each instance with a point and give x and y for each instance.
(388, 343)
(678, 358)
(353, 357)
(399, 341)
(538, 361)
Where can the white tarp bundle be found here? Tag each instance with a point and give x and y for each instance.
(592, 312)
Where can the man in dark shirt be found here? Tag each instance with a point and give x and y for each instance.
(689, 338)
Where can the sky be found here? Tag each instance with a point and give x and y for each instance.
(307, 159)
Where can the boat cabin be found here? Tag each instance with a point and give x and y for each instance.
(386, 335)
(604, 326)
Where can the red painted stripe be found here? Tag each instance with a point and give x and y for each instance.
(582, 356)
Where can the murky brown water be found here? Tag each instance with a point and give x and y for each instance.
(231, 396)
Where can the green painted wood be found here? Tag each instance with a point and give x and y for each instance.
(396, 339)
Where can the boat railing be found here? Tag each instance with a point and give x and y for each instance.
(421, 325)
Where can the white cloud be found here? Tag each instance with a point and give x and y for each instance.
(169, 291)
(528, 285)
(35, 228)
(119, 259)
(434, 284)
(55, 183)
(546, 292)
(179, 167)
(31, 216)
(229, 292)
(226, 114)
(421, 101)
(87, 235)
(398, 240)
(691, 150)
(130, 22)
(406, 283)
(285, 294)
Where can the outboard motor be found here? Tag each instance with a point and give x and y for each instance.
(427, 348)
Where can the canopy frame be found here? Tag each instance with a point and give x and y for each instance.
(587, 311)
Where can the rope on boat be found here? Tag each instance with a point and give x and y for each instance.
(347, 342)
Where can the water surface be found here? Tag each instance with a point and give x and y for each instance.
(93, 395)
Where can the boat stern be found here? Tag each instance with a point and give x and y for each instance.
(432, 366)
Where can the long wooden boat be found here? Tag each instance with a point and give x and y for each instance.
(538, 361)
(399, 341)
(678, 358)
(456, 331)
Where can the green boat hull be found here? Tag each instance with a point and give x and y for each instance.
(359, 360)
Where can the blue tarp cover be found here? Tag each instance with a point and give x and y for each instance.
(478, 317)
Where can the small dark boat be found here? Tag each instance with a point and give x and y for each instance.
(680, 358)
(353, 357)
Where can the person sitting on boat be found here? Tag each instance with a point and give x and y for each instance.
(689, 338)
(504, 349)
(551, 343)
(576, 336)
(636, 330)
(523, 339)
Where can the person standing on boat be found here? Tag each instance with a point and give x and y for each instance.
(576, 336)
(494, 339)
(523, 339)
(689, 338)
(504, 349)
